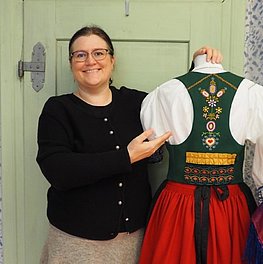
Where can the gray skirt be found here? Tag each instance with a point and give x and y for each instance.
(62, 248)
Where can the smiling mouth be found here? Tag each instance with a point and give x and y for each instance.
(92, 70)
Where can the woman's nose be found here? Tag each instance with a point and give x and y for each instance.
(90, 59)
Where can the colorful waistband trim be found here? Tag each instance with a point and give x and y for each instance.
(210, 158)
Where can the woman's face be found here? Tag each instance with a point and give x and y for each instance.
(91, 73)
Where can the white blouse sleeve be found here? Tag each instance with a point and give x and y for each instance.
(168, 108)
(152, 115)
(255, 112)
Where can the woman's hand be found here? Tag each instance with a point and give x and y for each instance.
(212, 54)
(139, 149)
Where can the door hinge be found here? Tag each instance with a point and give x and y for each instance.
(36, 67)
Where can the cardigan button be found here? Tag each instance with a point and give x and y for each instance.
(119, 202)
(120, 184)
(127, 219)
(117, 147)
(111, 132)
(105, 119)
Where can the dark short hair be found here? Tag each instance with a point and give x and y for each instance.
(91, 30)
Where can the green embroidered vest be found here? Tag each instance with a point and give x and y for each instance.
(210, 155)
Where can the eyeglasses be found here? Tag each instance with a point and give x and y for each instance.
(82, 55)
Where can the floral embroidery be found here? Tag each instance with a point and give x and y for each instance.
(210, 139)
(211, 113)
(208, 175)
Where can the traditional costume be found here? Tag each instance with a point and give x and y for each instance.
(202, 211)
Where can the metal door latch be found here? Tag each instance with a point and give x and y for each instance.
(36, 67)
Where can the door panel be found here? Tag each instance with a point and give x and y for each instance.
(154, 43)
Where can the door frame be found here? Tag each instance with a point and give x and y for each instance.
(11, 96)
(11, 108)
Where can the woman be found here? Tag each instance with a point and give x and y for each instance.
(203, 210)
(92, 150)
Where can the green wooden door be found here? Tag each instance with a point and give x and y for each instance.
(154, 41)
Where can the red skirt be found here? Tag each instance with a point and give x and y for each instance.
(170, 238)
